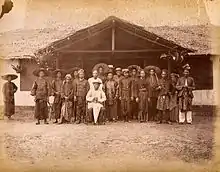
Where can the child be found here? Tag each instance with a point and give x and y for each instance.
(41, 91)
(9, 88)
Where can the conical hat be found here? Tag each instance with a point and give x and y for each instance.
(136, 67)
(155, 68)
(103, 65)
(59, 70)
(36, 71)
(13, 76)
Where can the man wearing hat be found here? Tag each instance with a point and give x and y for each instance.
(185, 86)
(41, 91)
(164, 86)
(56, 86)
(96, 98)
(9, 89)
(125, 95)
(117, 78)
(81, 87)
(111, 91)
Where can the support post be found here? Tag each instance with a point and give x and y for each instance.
(57, 63)
(113, 41)
(169, 67)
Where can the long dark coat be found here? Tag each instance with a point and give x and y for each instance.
(9, 88)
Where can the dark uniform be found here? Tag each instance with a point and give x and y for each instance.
(56, 86)
(9, 88)
(41, 91)
(81, 87)
(134, 95)
(152, 93)
(117, 79)
(163, 99)
(125, 95)
(142, 100)
(111, 92)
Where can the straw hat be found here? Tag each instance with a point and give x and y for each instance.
(125, 70)
(102, 65)
(155, 68)
(136, 67)
(96, 82)
(37, 71)
(13, 76)
(59, 70)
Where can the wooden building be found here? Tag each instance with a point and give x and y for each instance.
(112, 41)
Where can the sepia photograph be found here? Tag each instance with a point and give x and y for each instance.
(109, 85)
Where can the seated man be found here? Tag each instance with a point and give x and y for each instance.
(96, 98)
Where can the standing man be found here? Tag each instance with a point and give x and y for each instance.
(67, 96)
(125, 95)
(111, 91)
(185, 85)
(81, 87)
(96, 98)
(142, 97)
(134, 90)
(152, 80)
(117, 78)
(56, 86)
(8, 90)
(163, 98)
(41, 91)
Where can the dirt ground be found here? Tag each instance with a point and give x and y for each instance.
(26, 143)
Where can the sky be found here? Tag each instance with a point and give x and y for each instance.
(35, 14)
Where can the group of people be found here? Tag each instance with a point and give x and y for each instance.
(111, 94)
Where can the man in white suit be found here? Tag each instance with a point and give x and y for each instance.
(96, 98)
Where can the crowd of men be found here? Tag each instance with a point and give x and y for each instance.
(110, 95)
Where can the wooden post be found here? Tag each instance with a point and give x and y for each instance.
(57, 63)
(113, 41)
(169, 67)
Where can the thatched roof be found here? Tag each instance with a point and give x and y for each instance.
(24, 43)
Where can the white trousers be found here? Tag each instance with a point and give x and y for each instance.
(185, 116)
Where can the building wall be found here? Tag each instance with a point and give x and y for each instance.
(23, 98)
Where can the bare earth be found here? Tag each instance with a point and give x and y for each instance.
(26, 143)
